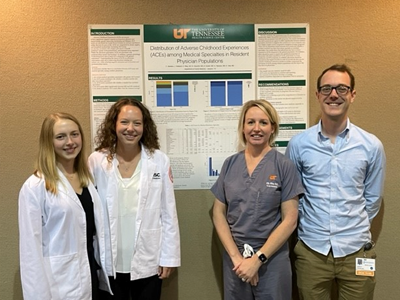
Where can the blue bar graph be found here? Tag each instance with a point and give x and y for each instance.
(235, 92)
(176, 93)
(218, 93)
(164, 95)
(211, 171)
(181, 93)
(226, 93)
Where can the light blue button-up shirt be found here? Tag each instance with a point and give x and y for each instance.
(343, 187)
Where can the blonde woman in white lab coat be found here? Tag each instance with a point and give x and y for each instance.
(60, 219)
(134, 182)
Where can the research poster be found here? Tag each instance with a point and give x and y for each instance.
(282, 75)
(195, 78)
(115, 67)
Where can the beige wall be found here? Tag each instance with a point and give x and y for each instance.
(44, 68)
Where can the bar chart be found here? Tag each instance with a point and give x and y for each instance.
(172, 93)
(226, 93)
(215, 165)
(183, 92)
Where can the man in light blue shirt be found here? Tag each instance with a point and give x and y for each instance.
(343, 170)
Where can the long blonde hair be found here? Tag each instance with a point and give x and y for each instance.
(46, 166)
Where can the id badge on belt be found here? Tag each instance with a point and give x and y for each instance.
(366, 266)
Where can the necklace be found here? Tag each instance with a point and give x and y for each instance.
(125, 165)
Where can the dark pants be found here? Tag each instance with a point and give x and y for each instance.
(141, 289)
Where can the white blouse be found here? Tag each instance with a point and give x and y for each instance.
(128, 200)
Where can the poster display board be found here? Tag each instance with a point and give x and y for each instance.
(195, 78)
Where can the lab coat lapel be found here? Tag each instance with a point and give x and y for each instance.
(109, 167)
(110, 171)
(65, 187)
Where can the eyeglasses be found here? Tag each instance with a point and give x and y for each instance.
(340, 89)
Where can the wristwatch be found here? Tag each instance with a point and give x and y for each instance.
(262, 257)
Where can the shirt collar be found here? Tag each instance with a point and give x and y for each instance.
(343, 134)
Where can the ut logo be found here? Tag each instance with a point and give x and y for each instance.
(180, 33)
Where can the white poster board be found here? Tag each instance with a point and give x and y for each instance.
(195, 78)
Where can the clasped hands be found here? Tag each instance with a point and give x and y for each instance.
(247, 269)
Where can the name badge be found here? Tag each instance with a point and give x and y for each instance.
(365, 267)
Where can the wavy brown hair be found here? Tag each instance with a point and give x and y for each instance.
(106, 134)
(46, 166)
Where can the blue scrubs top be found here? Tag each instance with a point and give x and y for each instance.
(253, 202)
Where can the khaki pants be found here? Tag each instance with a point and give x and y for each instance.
(316, 274)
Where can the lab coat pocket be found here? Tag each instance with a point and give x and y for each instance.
(66, 274)
(150, 247)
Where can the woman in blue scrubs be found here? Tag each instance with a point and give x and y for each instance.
(255, 210)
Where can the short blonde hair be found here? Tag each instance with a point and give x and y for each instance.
(268, 109)
(46, 160)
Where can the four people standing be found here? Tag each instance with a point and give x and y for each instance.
(343, 170)
(128, 228)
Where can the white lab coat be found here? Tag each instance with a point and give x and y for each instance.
(53, 252)
(157, 241)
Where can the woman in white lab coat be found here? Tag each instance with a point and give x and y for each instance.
(60, 219)
(134, 181)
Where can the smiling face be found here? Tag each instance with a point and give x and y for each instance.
(129, 126)
(257, 128)
(334, 106)
(67, 140)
